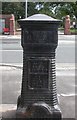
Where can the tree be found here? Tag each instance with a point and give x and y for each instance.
(55, 9)
(32, 8)
(63, 9)
(17, 9)
(46, 9)
(74, 6)
(59, 10)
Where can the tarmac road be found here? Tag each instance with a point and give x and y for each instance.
(11, 49)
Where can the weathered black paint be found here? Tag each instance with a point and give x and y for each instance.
(38, 95)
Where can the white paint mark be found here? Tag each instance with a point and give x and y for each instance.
(68, 95)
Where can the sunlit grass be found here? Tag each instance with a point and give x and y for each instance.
(73, 30)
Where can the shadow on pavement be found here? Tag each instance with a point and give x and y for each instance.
(11, 115)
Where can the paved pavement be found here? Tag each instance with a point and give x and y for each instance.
(11, 83)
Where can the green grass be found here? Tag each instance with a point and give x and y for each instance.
(72, 30)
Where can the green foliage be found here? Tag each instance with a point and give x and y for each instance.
(73, 30)
(60, 10)
(54, 9)
(16, 8)
(0, 7)
(74, 7)
(46, 9)
(64, 9)
(32, 8)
